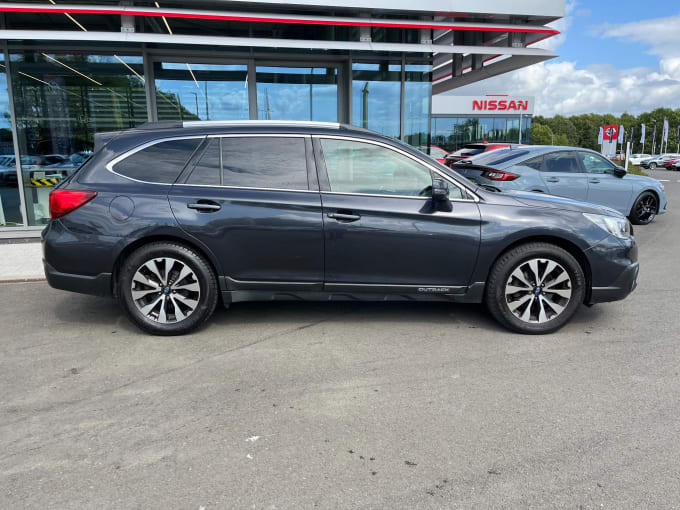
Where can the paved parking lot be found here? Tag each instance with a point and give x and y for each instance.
(345, 405)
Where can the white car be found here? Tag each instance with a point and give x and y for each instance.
(636, 159)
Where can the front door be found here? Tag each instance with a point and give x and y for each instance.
(382, 232)
(254, 202)
(563, 175)
(604, 187)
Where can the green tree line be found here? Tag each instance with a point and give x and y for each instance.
(582, 130)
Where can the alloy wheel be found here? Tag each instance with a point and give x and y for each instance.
(645, 209)
(165, 290)
(538, 290)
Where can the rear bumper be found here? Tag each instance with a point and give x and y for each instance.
(99, 285)
(622, 287)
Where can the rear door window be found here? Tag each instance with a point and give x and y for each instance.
(564, 161)
(264, 162)
(253, 162)
(160, 163)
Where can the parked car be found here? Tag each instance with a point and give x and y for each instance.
(636, 159)
(657, 161)
(669, 164)
(435, 152)
(472, 149)
(580, 174)
(676, 165)
(174, 219)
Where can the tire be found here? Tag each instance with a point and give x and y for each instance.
(645, 209)
(167, 288)
(652, 166)
(508, 297)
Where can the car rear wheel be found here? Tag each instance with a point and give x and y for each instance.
(644, 209)
(535, 288)
(167, 288)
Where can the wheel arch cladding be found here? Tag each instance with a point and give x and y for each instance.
(138, 243)
(563, 243)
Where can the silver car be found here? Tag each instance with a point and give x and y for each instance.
(571, 172)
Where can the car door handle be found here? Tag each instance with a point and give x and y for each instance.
(345, 217)
(553, 179)
(594, 180)
(207, 206)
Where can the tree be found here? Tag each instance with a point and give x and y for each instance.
(541, 134)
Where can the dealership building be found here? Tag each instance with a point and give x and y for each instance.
(459, 120)
(72, 69)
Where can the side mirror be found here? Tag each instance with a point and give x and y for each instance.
(440, 194)
(619, 172)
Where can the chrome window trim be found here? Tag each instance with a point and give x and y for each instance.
(118, 159)
(125, 155)
(425, 164)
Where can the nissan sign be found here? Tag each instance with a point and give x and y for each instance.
(443, 104)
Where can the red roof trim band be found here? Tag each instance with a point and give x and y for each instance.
(272, 19)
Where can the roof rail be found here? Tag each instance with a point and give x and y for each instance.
(166, 124)
(291, 123)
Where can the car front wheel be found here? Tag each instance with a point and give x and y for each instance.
(535, 288)
(652, 166)
(644, 209)
(167, 288)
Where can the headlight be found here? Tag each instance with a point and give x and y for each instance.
(618, 227)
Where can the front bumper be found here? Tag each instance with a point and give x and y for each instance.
(624, 285)
(614, 269)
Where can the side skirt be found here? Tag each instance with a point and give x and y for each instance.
(472, 294)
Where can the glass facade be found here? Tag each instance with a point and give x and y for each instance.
(10, 201)
(189, 91)
(376, 89)
(61, 100)
(451, 133)
(297, 93)
(53, 102)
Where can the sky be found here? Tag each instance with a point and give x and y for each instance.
(614, 57)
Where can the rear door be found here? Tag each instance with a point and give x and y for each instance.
(254, 201)
(604, 187)
(382, 232)
(563, 175)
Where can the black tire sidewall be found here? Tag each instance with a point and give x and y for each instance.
(204, 275)
(495, 292)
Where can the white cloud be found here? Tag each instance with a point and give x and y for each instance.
(562, 88)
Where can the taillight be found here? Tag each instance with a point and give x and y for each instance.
(63, 201)
(499, 175)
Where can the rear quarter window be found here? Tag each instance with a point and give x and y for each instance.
(160, 163)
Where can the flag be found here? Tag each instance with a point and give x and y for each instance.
(677, 134)
(600, 137)
(642, 130)
(632, 133)
(665, 130)
(621, 133)
(654, 132)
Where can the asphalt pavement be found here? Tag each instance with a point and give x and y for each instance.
(328, 405)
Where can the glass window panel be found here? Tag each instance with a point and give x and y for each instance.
(443, 133)
(10, 202)
(376, 92)
(61, 100)
(193, 91)
(563, 161)
(207, 170)
(417, 93)
(595, 164)
(161, 162)
(297, 93)
(264, 162)
(357, 167)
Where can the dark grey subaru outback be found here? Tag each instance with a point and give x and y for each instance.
(173, 218)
